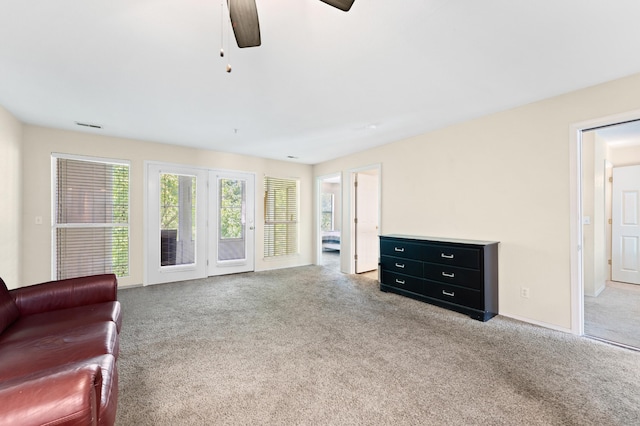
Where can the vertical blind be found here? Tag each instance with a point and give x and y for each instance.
(91, 227)
(280, 216)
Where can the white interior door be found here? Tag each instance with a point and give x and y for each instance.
(625, 226)
(232, 235)
(176, 223)
(366, 221)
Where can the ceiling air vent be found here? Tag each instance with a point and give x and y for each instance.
(93, 126)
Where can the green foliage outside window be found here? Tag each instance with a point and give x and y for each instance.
(169, 201)
(231, 198)
(120, 242)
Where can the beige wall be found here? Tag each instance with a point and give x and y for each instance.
(600, 265)
(588, 244)
(40, 142)
(625, 156)
(503, 177)
(595, 267)
(11, 196)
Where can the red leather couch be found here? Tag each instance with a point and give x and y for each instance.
(58, 349)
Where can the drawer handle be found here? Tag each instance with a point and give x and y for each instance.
(448, 274)
(400, 265)
(399, 249)
(446, 256)
(446, 293)
(399, 281)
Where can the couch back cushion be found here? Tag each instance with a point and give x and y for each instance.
(8, 309)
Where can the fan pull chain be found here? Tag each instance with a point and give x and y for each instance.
(221, 29)
(228, 49)
(229, 38)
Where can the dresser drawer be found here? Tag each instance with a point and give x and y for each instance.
(454, 294)
(398, 248)
(471, 278)
(449, 255)
(404, 282)
(402, 266)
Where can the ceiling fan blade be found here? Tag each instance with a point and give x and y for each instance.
(244, 20)
(340, 4)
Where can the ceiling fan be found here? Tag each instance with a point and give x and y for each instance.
(244, 19)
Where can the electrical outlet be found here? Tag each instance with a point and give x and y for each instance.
(524, 292)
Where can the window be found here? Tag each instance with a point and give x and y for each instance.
(91, 217)
(327, 212)
(280, 216)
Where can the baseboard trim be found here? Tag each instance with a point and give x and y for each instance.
(535, 322)
(600, 289)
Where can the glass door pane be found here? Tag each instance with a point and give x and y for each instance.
(232, 219)
(176, 223)
(177, 219)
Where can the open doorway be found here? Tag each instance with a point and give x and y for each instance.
(611, 232)
(330, 223)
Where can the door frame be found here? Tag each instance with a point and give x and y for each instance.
(178, 272)
(349, 246)
(575, 209)
(233, 266)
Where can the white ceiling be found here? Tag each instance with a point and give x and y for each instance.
(324, 83)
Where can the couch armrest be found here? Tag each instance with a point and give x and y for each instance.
(64, 294)
(69, 398)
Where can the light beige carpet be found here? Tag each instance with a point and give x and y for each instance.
(311, 346)
(614, 315)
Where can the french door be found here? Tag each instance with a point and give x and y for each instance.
(232, 236)
(176, 223)
(199, 223)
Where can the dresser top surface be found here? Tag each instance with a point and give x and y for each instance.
(440, 239)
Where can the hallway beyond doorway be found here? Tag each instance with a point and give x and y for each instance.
(331, 260)
(614, 315)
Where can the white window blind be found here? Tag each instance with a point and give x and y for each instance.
(280, 216)
(91, 217)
